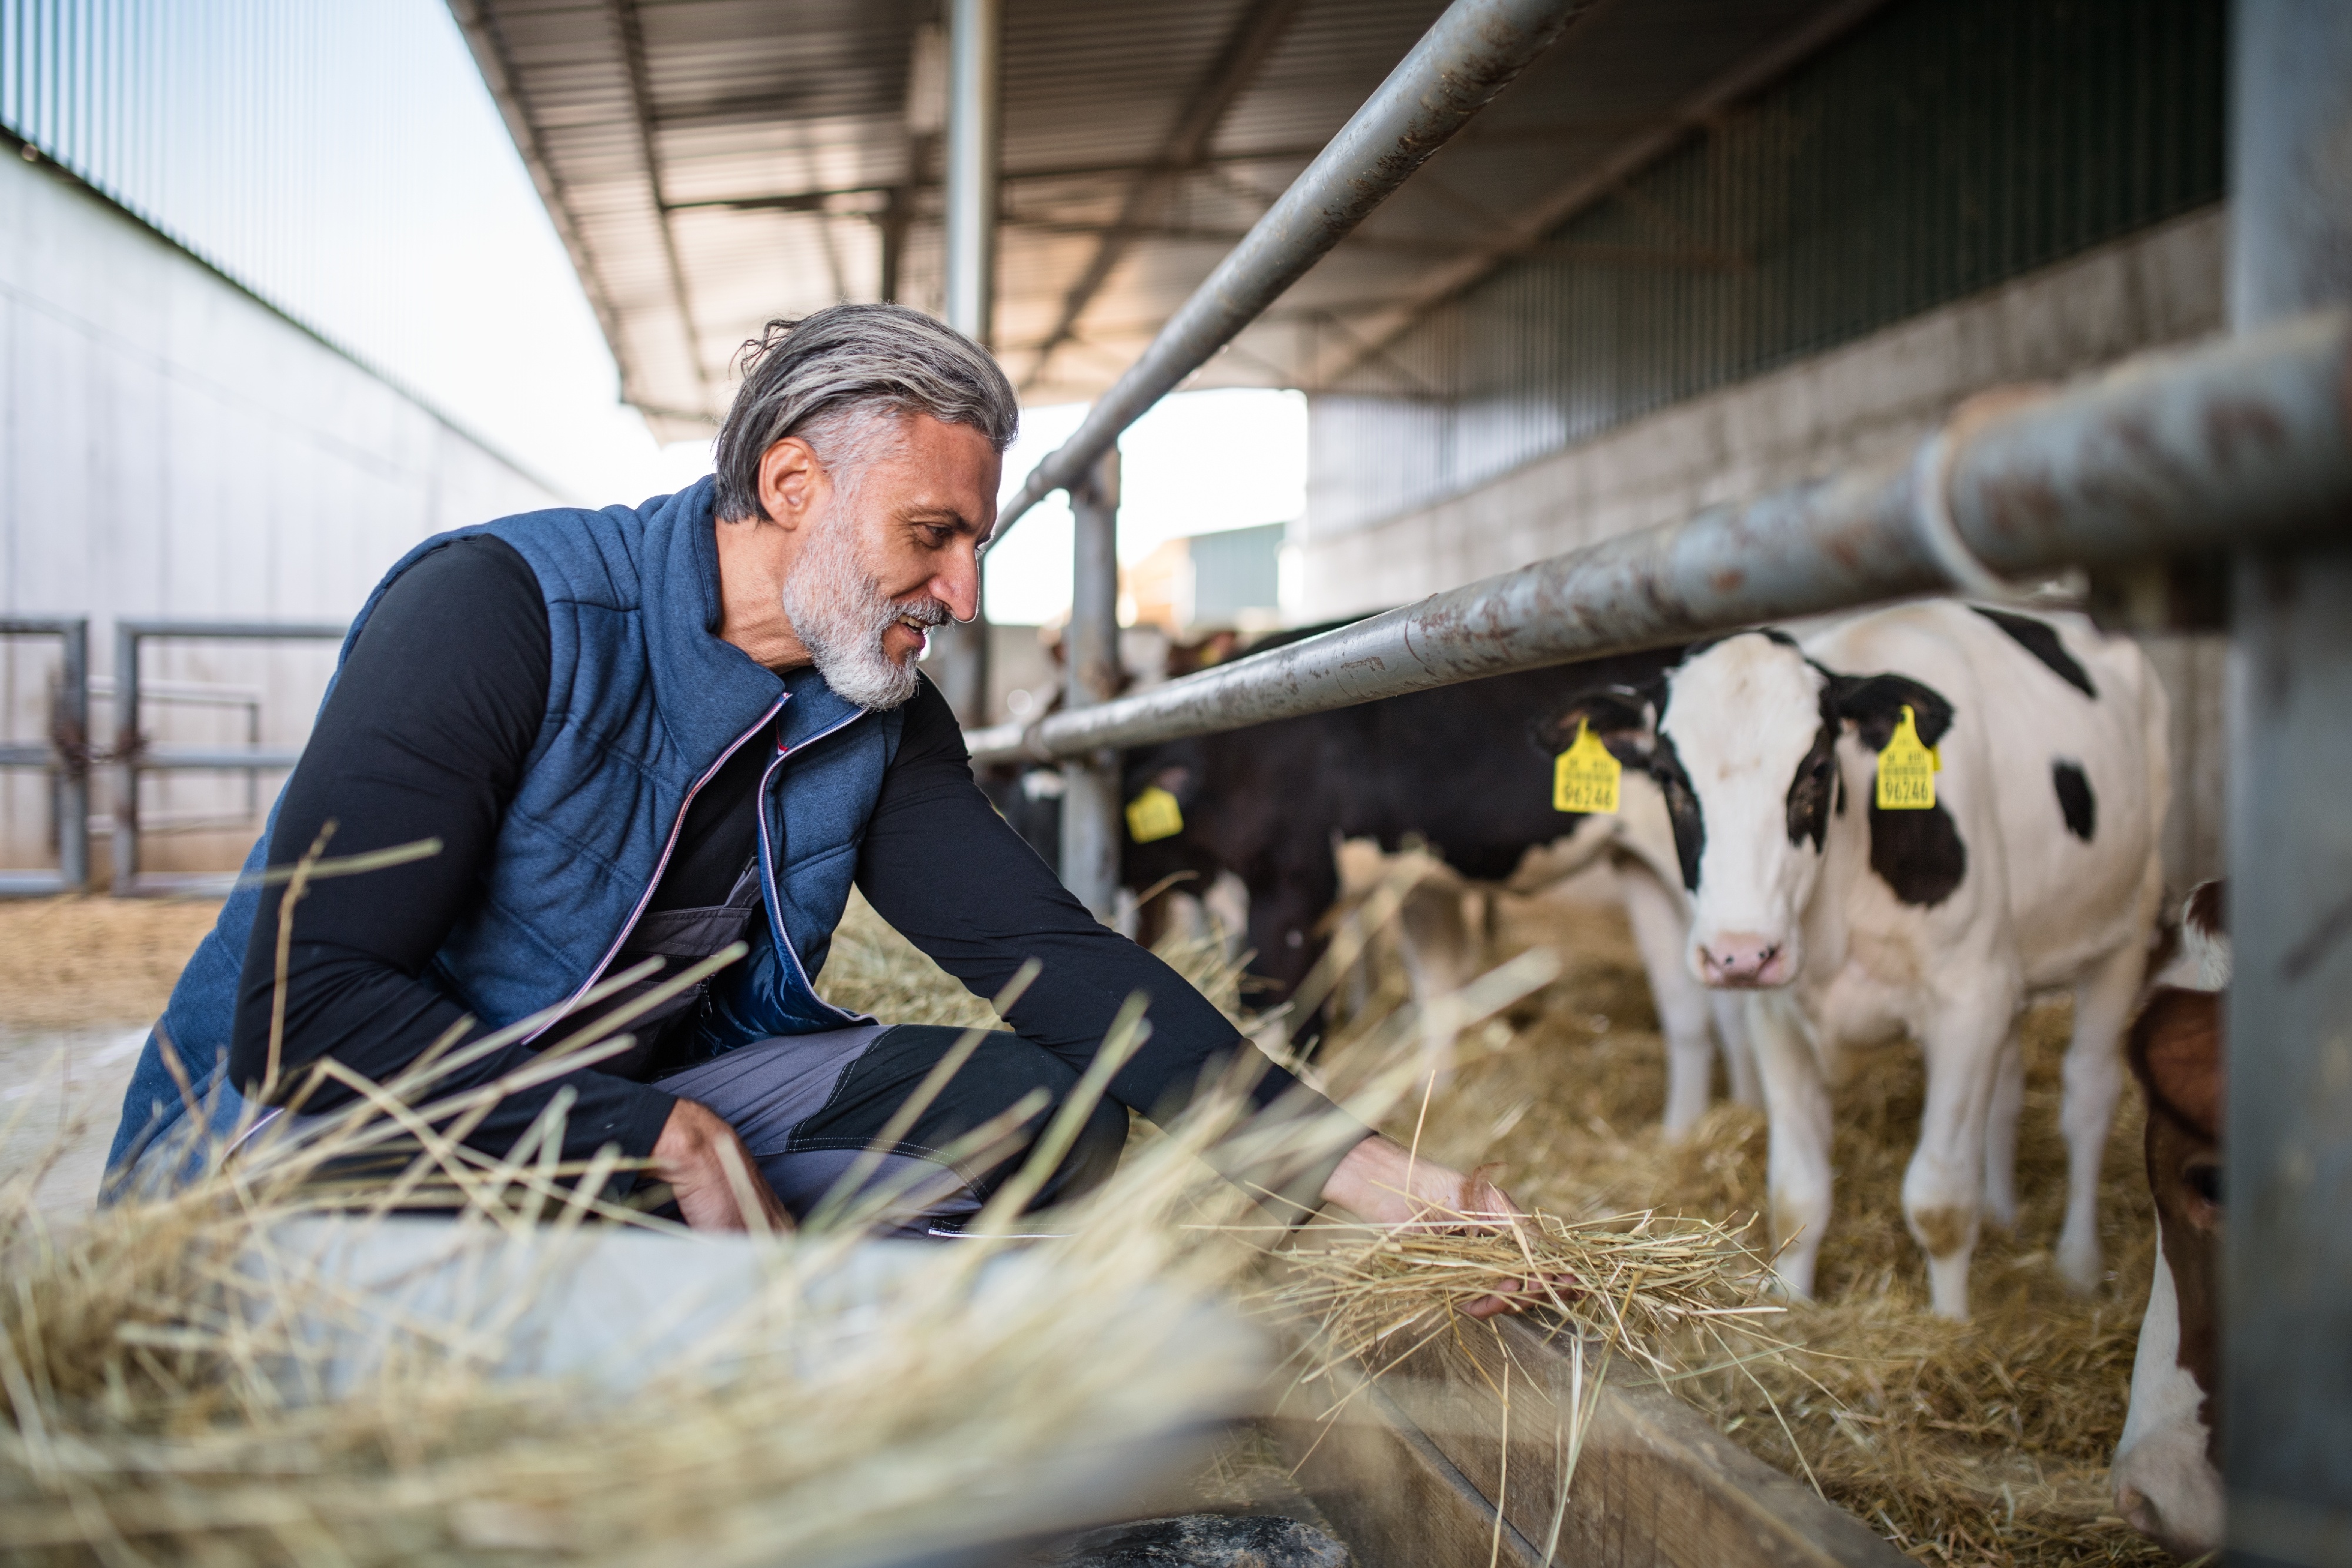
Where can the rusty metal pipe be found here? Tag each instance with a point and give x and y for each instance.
(1468, 56)
(2243, 441)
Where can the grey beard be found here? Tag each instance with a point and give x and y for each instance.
(840, 614)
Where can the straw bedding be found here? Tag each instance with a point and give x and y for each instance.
(161, 1392)
(1986, 1442)
(1979, 1443)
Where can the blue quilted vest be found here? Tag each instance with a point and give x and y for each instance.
(644, 702)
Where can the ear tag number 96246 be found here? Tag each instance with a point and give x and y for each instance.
(1908, 769)
(1154, 815)
(1584, 776)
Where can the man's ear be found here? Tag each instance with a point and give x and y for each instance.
(789, 474)
(1873, 704)
(1625, 720)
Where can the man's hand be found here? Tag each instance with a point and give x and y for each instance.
(1381, 1181)
(694, 1155)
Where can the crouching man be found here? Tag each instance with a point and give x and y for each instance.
(650, 733)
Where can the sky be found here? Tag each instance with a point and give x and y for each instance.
(1198, 463)
(346, 161)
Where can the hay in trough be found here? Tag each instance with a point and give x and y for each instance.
(1983, 1442)
(1632, 1283)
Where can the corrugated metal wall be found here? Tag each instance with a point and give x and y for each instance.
(1945, 147)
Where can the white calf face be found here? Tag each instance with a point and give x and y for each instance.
(1744, 726)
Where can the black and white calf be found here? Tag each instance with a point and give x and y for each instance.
(2036, 868)
(1443, 947)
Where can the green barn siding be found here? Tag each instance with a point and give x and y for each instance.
(1946, 146)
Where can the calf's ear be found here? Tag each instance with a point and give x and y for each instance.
(1624, 718)
(1873, 704)
(2176, 1052)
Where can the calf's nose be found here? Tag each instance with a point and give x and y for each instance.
(1741, 959)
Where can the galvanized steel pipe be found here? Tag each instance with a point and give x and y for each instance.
(1468, 56)
(2243, 441)
(2285, 1407)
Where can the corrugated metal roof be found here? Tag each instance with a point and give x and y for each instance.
(712, 163)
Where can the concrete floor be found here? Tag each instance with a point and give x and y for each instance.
(61, 1090)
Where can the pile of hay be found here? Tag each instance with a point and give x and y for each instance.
(1987, 1442)
(873, 970)
(168, 1391)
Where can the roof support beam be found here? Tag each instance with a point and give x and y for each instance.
(487, 41)
(1696, 113)
(1245, 51)
(1687, 258)
(630, 27)
(1469, 55)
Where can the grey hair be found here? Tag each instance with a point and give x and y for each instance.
(829, 376)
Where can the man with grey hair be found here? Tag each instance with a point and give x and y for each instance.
(641, 735)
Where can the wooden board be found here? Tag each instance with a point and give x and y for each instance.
(1393, 1498)
(1655, 1485)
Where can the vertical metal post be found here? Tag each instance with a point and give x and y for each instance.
(126, 759)
(72, 741)
(975, 44)
(2288, 1274)
(1091, 824)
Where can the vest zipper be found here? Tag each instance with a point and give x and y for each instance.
(768, 863)
(662, 865)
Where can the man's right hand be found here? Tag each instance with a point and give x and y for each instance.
(693, 1153)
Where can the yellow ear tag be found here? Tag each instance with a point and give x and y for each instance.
(1908, 769)
(1584, 776)
(1154, 814)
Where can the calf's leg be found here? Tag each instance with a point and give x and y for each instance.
(2000, 1134)
(2094, 1080)
(1738, 1055)
(1683, 1010)
(1797, 1102)
(1941, 1190)
(1441, 956)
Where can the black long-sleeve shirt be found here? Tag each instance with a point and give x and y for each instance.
(427, 734)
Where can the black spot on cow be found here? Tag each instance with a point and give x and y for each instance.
(1873, 704)
(2075, 800)
(1917, 853)
(1815, 788)
(2040, 639)
(1621, 718)
(1681, 808)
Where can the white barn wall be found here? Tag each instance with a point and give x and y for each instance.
(1862, 403)
(170, 447)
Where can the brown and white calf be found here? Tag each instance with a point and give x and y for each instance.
(2167, 1476)
(1843, 923)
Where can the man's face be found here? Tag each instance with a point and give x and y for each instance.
(894, 553)
(920, 509)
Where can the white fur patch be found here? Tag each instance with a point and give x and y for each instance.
(2162, 1455)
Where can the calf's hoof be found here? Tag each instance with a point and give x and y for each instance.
(2080, 1265)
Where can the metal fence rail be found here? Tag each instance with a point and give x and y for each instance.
(65, 753)
(132, 754)
(2242, 444)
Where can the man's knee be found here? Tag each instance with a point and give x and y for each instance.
(1092, 1158)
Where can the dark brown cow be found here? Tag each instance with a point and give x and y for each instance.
(2168, 1478)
